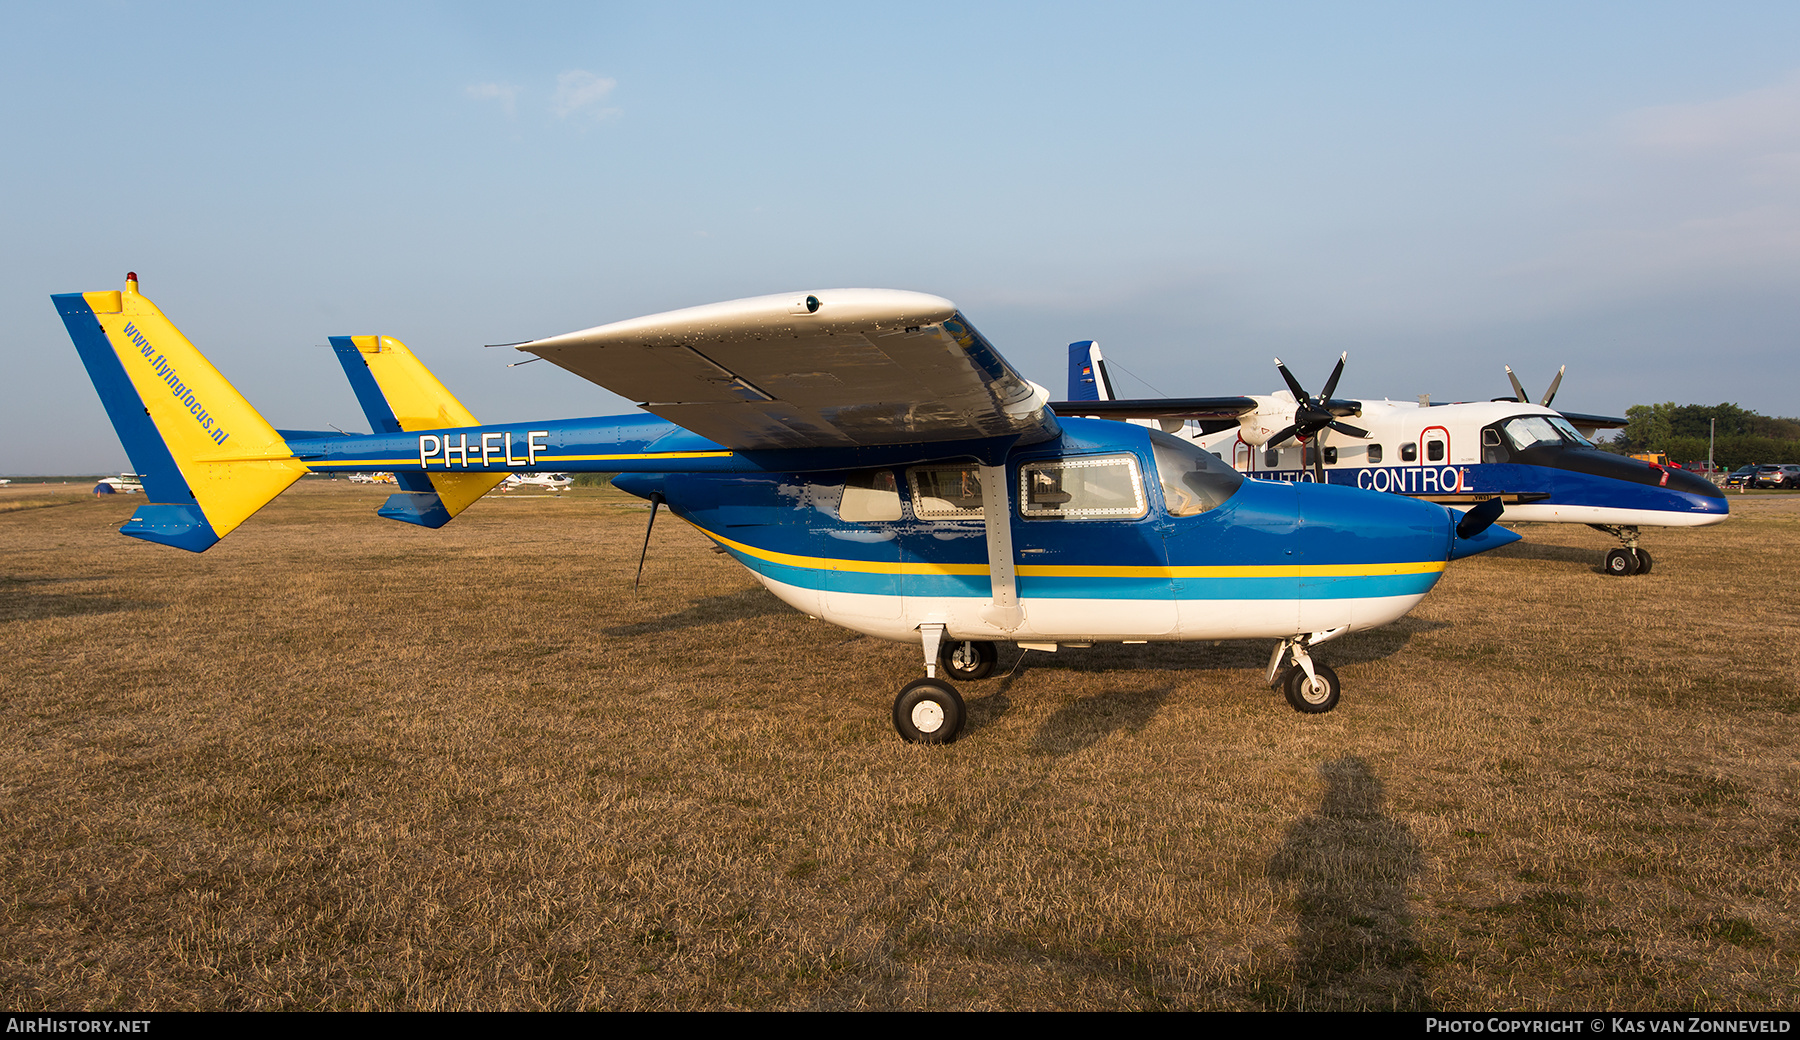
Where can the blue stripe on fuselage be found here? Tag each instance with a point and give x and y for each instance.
(1562, 486)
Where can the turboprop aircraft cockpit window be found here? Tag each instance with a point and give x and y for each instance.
(1193, 480)
(1529, 431)
(1098, 487)
(868, 496)
(1570, 433)
(945, 492)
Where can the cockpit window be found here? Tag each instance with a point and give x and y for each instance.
(1193, 480)
(1569, 432)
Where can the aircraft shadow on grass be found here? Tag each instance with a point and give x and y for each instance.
(712, 610)
(1583, 558)
(1090, 719)
(20, 600)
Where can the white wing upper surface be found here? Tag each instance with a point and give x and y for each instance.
(830, 368)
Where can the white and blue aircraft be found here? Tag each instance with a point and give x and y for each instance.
(1540, 462)
(865, 453)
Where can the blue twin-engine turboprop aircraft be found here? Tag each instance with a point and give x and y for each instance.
(864, 452)
(1538, 461)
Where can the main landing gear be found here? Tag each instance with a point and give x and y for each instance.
(929, 710)
(1311, 687)
(1628, 559)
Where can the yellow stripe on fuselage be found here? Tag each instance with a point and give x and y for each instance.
(1317, 570)
(826, 563)
(660, 456)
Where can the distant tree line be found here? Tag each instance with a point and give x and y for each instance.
(1680, 430)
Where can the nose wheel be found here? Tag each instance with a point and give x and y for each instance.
(1627, 559)
(1311, 687)
(1312, 694)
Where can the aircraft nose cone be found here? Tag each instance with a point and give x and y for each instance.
(1348, 526)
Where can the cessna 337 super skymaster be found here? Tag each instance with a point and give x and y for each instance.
(1535, 459)
(865, 453)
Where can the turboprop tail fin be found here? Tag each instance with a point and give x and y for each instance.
(400, 395)
(208, 460)
(1088, 380)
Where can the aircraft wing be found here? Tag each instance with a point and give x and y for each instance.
(1594, 422)
(1160, 408)
(831, 368)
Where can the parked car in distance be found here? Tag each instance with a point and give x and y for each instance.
(1740, 477)
(1783, 475)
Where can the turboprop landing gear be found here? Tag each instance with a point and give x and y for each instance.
(929, 710)
(1311, 687)
(1628, 559)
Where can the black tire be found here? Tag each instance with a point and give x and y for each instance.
(928, 711)
(1643, 560)
(1316, 697)
(967, 660)
(1621, 563)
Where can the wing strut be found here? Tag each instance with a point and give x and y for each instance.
(1002, 575)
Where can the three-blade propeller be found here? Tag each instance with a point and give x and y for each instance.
(1316, 413)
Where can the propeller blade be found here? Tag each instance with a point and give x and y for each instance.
(1293, 384)
(1344, 427)
(1318, 462)
(656, 499)
(1331, 384)
(1282, 436)
(1550, 394)
(1518, 390)
(1480, 518)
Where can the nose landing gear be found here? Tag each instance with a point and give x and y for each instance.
(1628, 559)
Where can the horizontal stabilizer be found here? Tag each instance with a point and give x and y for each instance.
(400, 395)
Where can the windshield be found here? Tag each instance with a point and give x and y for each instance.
(1193, 480)
(1530, 431)
(1569, 432)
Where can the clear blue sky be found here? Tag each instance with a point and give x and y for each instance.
(1437, 188)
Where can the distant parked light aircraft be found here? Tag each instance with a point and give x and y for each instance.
(123, 484)
(1539, 461)
(557, 482)
(865, 453)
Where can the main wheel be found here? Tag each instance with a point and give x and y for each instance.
(1313, 696)
(968, 660)
(928, 711)
(1621, 563)
(1643, 560)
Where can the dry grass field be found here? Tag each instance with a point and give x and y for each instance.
(339, 762)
